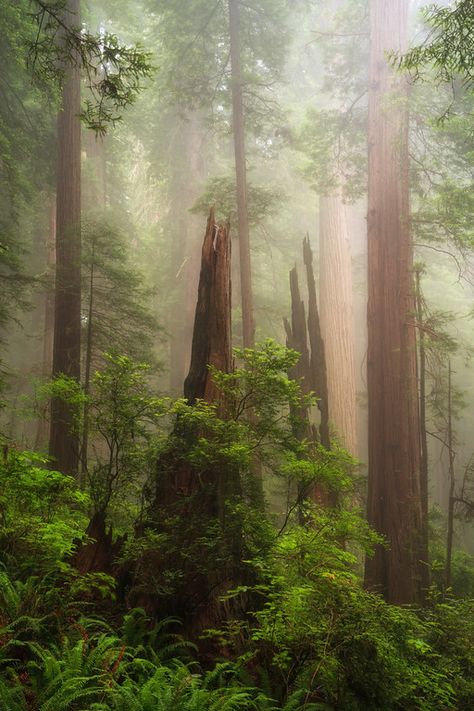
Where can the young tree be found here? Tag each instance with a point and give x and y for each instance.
(63, 446)
(115, 314)
(394, 438)
(238, 124)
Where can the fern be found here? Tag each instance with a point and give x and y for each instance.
(9, 596)
(84, 671)
(155, 642)
(11, 698)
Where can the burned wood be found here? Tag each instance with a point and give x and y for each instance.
(318, 374)
(211, 344)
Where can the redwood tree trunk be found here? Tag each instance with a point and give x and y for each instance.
(248, 326)
(197, 495)
(310, 369)
(318, 383)
(297, 339)
(394, 434)
(63, 446)
(335, 291)
(212, 344)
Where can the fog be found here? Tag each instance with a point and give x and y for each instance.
(161, 164)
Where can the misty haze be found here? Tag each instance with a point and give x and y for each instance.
(236, 340)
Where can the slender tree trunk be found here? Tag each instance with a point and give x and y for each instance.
(394, 508)
(303, 429)
(452, 484)
(335, 295)
(423, 433)
(87, 374)
(63, 446)
(96, 199)
(318, 383)
(42, 431)
(310, 369)
(248, 326)
(297, 339)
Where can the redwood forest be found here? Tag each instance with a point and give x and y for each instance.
(236, 355)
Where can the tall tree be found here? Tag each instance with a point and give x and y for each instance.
(63, 446)
(238, 124)
(225, 60)
(424, 471)
(394, 438)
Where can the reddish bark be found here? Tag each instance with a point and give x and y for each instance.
(212, 343)
(198, 495)
(394, 437)
(99, 552)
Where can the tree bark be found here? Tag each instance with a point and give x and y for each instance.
(238, 123)
(303, 429)
(394, 508)
(212, 340)
(452, 484)
(297, 334)
(310, 370)
(423, 432)
(42, 431)
(211, 346)
(335, 296)
(318, 382)
(87, 374)
(63, 447)
(198, 495)
(297, 339)
(96, 199)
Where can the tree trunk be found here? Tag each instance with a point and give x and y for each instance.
(96, 199)
(335, 295)
(212, 340)
(297, 339)
(318, 383)
(394, 508)
(211, 346)
(197, 495)
(42, 431)
(63, 447)
(87, 374)
(310, 369)
(452, 484)
(423, 433)
(248, 326)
